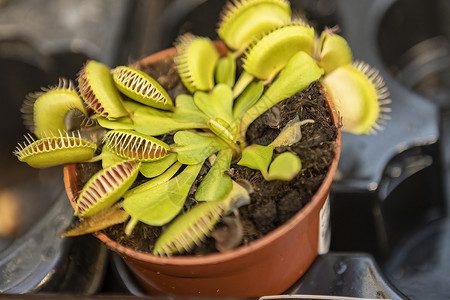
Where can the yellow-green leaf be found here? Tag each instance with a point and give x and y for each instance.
(284, 167)
(257, 157)
(217, 104)
(226, 70)
(156, 168)
(216, 185)
(159, 205)
(193, 148)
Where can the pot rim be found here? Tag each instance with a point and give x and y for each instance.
(215, 258)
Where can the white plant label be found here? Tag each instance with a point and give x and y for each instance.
(324, 228)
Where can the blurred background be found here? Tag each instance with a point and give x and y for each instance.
(390, 200)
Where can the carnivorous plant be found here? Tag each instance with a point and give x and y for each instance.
(280, 56)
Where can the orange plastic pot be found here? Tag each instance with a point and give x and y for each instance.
(267, 266)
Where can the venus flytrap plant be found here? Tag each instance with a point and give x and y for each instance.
(46, 111)
(97, 88)
(104, 219)
(257, 157)
(299, 72)
(161, 203)
(269, 54)
(284, 167)
(55, 150)
(193, 148)
(226, 70)
(127, 122)
(141, 87)
(195, 225)
(247, 99)
(168, 142)
(109, 158)
(152, 122)
(106, 187)
(241, 21)
(360, 95)
(166, 175)
(332, 51)
(156, 168)
(196, 62)
(131, 144)
(216, 104)
(216, 185)
(188, 230)
(357, 90)
(187, 111)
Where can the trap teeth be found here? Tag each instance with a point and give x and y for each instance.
(141, 87)
(55, 150)
(242, 20)
(267, 56)
(196, 59)
(98, 90)
(46, 111)
(130, 144)
(333, 51)
(106, 187)
(360, 95)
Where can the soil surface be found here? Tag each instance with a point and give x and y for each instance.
(272, 202)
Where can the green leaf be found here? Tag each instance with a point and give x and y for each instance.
(122, 123)
(216, 185)
(164, 177)
(334, 52)
(244, 80)
(248, 98)
(143, 109)
(284, 167)
(160, 204)
(272, 52)
(189, 229)
(226, 70)
(193, 226)
(187, 111)
(193, 148)
(106, 187)
(154, 124)
(133, 106)
(156, 168)
(300, 71)
(244, 20)
(196, 59)
(141, 87)
(358, 91)
(217, 104)
(47, 110)
(109, 158)
(257, 157)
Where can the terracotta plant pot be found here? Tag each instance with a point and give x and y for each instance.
(269, 265)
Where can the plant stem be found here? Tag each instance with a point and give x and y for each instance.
(131, 225)
(244, 80)
(96, 158)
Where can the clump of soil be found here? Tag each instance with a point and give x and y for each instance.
(273, 202)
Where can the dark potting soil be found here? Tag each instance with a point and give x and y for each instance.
(272, 202)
